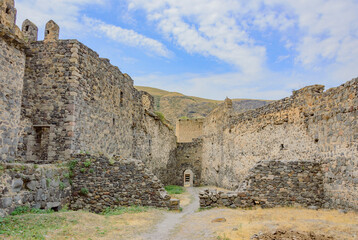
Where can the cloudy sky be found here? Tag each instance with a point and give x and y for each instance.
(214, 48)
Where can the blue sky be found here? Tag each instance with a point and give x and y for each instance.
(260, 49)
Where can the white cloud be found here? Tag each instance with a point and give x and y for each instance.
(128, 37)
(320, 35)
(208, 28)
(66, 13)
(70, 17)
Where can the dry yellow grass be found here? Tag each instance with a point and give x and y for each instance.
(242, 224)
(185, 198)
(84, 225)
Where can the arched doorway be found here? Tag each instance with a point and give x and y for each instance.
(188, 178)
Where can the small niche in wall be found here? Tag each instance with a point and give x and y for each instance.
(42, 142)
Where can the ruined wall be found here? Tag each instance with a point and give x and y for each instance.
(100, 183)
(274, 183)
(310, 125)
(42, 187)
(113, 118)
(188, 129)
(188, 157)
(75, 101)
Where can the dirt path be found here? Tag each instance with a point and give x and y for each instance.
(241, 224)
(165, 230)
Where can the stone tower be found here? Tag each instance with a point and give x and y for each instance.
(30, 31)
(228, 103)
(7, 13)
(52, 31)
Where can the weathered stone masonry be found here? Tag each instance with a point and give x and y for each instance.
(70, 101)
(274, 183)
(12, 64)
(310, 125)
(188, 157)
(34, 186)
(115, 182)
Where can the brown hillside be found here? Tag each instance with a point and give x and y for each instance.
(175, 105)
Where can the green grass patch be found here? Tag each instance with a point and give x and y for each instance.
(27, 225)
(173, 189)
(122, 210)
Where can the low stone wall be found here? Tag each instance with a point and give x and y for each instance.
(99, 183)
(43, 187)
(274, 183)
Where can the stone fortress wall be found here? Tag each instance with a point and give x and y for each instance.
(12, 65)
(312, 125)
(188, 129)
(61, 99)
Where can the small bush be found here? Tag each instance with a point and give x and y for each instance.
(62, 186)
(173, 189)
(160, 116)
(72, 164)
(87, 163)
(83, 170)
(84, 191)
(111, 161)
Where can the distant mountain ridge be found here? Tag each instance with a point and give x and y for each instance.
(175, 105)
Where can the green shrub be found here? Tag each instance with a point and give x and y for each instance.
(83, 170)
(111, 161)
(173, 189)
(84, 191)
(87, 163)
(62, 186)
(160, 116)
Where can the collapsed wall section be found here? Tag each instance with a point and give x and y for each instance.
(310, 125)
(100, 183)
